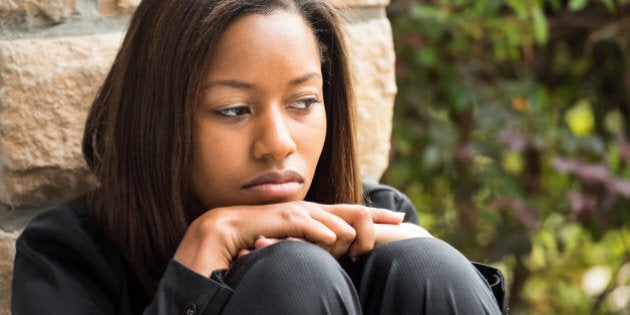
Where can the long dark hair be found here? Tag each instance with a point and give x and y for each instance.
(139, 138)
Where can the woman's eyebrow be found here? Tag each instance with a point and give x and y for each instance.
(230, 83)
(248, 86)
(305, 78)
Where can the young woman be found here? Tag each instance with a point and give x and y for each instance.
(223, 140)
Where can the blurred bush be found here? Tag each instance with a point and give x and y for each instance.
(511, 137)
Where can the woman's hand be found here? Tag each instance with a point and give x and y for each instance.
(363, 220)
(383, 233)
(216, 237)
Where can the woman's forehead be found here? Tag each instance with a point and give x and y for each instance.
(264, 42)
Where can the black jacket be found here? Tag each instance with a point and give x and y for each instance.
(64, 266)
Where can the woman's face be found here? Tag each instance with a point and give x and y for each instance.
(261, 124)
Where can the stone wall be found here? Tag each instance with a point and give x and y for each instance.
(53, 56)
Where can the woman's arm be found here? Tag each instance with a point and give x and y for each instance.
(214, 239)
(63, 267)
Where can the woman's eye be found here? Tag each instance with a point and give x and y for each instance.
(305, 103)
(233, 111)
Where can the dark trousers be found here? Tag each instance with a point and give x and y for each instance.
(414, 276)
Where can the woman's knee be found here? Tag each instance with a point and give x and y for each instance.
(288, 257)
(431, 254)
(421, 260)
(427, 271)
(290, 277)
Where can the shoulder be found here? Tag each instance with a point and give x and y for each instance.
(65, 234)
(61, 224)
(387, 197)
(63, 262)
(60, 246)
(383, 196)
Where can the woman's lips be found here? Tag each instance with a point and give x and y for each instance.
(276, 185)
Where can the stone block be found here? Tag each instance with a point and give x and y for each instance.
(111, 7)
(42, 12)
(359, 3)
(128, 6)
(371, 50)
(108, 7)
(46, 87)
(7, 254)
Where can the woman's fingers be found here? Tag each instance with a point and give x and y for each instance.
(243, 252)
(296, 220)
(365, 226)
(385, 216)
(310, 222)
(217, 237)
(214, 239)
(361, 220)
(264, 242)
(353, 227)
(344, 230)
(259, 243)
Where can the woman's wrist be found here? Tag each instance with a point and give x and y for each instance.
(205, 248)
(395, 232)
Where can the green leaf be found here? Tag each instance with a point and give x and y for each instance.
(519, 7)
(613, 157)
(422, 11)
(610, 5)
(613, 122)
(580, 118)
(555, 5)
(427, 56)
(576, 5)
(541, 32)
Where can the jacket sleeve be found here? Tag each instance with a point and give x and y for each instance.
(62, 268)
(386, 197)
(182, 291)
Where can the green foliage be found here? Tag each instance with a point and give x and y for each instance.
(510, 137)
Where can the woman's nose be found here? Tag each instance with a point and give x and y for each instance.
(274, 139)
